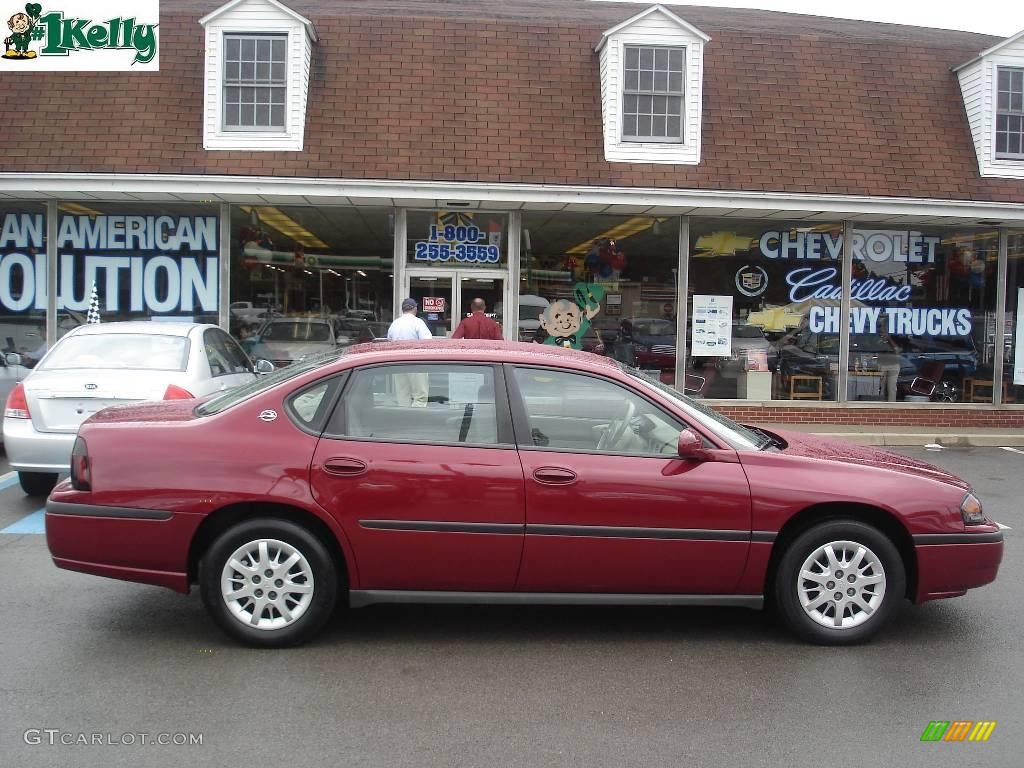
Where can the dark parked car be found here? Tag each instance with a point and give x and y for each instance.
(652, 341)
(529, 474)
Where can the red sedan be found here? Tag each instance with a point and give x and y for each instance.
(493, 472)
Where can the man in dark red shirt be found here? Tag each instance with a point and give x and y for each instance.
(478, 325)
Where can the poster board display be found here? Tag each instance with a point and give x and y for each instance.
(1018, 341)
(711, 331)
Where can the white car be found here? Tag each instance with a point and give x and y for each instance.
(95, 366)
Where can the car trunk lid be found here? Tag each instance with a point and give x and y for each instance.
(60, 401)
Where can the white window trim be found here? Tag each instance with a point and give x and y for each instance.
(622, 97)
(221, 125)
(236, 139)
(1009, 158)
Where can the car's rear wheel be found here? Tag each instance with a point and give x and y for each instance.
(839, 582)
(37, 483)
(269, 583)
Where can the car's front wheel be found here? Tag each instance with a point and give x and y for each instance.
(839, 582)
(37, 483)
(269, 583)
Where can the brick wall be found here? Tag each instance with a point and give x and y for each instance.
(957, 418)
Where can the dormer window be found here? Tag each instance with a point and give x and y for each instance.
(1010, 113)
(652, 93)
(258, 55)
(992, 84)
(652, 72)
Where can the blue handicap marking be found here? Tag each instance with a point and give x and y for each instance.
(9, 480)
(33, 523)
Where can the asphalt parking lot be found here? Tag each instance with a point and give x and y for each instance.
(505, 686)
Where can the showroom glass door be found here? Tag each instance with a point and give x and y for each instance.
(445, 296)
(435, 293)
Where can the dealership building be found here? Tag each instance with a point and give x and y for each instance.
(795, 218)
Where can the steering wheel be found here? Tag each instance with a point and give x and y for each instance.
(612, 435)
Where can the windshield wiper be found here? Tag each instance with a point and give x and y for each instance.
(768, 439)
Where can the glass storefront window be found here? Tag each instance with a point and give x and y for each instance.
(756, 289)
(604, 284)
(1013, 339)
(306, 279)
(922, 324)
(456, 239)
(145, 261)
(23, 283)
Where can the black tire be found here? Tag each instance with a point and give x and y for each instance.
(320, 563)
(788, 584)
(37, 483)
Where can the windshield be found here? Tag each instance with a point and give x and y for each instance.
(747, 332)
(144, 351)
(234, 396)
(300, 331)
(530, 312)
(736, 435)
(654, 327)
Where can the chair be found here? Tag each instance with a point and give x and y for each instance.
(695, 385)
(928, 378)
(805, 387)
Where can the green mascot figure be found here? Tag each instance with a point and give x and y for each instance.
(567, 322)
(21, 26)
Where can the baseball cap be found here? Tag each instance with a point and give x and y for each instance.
(408, 304)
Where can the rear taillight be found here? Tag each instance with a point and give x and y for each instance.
(17, 404)
(81, 471)
(177, 393)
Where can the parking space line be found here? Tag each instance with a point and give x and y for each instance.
(33, 523)
(7, 480)
(1012, 450)
(1004, 527)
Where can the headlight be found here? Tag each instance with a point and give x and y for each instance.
(970, 510)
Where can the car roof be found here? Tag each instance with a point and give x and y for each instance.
(476, 350)
(140, 326)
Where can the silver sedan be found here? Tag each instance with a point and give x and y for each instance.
(95, 366)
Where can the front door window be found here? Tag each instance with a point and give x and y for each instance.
(436, 298)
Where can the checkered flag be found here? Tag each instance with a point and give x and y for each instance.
(93, 318)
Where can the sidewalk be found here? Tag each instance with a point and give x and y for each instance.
(903, 435)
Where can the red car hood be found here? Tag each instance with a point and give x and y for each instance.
(829, 449)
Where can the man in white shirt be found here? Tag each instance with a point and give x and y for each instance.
(407, 326)
(411, 389)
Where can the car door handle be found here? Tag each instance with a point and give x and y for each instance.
(554, 476)
(344, 467)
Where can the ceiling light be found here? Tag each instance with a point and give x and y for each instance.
(619, 232)
(82, 210)
(286, 225)
(360, 272)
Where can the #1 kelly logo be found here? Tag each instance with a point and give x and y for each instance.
(100, 38)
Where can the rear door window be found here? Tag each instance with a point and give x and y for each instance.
(430, 403)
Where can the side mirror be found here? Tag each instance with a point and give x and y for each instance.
(13, 358)
(263, 367)
(690, 445)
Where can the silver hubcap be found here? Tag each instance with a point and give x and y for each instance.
(267, 584)
(841, 584)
